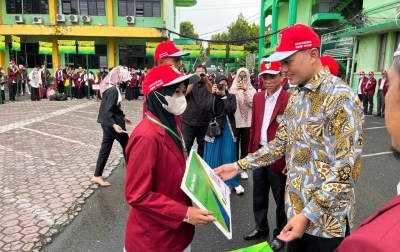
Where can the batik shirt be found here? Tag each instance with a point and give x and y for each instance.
(320, 134)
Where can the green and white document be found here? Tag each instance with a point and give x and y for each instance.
(208, 192)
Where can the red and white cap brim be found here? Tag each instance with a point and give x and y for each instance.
(179, 54)
(278, 56)
(193, 78)
(269, 72)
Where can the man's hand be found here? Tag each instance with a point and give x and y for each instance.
(294, 229)
(226, 171)
(117, 128)
(127, 120)
(199, 217)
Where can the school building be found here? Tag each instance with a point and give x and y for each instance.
(119, 28)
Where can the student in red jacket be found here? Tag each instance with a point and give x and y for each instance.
(369, 91)
(268, 108)
(12, 72)
(161, 216)
(380, 232)
(382, 90)
(231, 77)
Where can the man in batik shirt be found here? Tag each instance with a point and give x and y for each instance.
(320, 135)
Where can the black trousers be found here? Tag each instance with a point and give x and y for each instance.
(381, 103)
(361, 97)
(61, 88)
(192, 132)
(12, 90)
(242, 142)
(35, 94)
(77, 92)
(3, 95)
(368, 99)
(109, 135)
(310, 243)
(264, 179)
(135, 93)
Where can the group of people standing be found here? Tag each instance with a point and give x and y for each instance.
(366, 90)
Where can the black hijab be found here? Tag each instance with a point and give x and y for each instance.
(219, 105)
(154, 106)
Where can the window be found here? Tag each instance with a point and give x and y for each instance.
(95, 60)
(140, 8)
(85, 7)
(29, 55)
(30, 6)
(134, 56)
(382, 52)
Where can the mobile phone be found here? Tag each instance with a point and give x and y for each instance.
(124, 131)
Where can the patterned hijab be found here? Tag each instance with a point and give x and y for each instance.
(114, 78)
(241, 100)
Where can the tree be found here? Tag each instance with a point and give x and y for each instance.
(186, 28)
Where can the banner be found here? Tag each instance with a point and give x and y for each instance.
(208, 192)
(66, 47)
(217, 51)
(16, 46)
(150, 48)
(86, 47)
(45, 48)
(337, 47)
(194, 50)
(261, 247)
(2, 43)
(236, 52)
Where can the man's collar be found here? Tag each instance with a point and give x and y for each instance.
(316, 81)
(275, 95)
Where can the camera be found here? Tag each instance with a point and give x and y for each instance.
(220, 86)
(202, 75)
(241, 79)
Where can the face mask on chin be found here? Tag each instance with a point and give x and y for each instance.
(176, 106)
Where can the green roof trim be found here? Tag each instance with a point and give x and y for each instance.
(317, 18)
(185, 3)
(370, 29)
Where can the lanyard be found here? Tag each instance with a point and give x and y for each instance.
(170, 130)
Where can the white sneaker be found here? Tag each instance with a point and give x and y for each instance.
(239, 189)
(22, 93)
(244, 175)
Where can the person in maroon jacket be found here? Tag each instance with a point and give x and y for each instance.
(268, 108)
(231, 77)
(361, 85)
(380, 232)
(76, 84)
(12, 72)
(161, 216)
(59, 80)
(369, 91)
(382, 90)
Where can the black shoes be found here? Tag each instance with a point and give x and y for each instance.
(255, 234)
(378, 115)
(276, 245)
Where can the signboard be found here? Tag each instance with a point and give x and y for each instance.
(2, 43)
(16, 46)
(150, 48)
(337, 47)
(217, 51)
(261, 247)
(208, 192)
(66, 47)
(236, 52)
(194, 50)
(45, 48)
(250, 61)
(86, 47)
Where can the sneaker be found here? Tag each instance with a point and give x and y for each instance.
(239, 189)
(244, 175)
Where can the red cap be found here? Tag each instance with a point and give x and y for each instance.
(295, 38)
(270, 68)
(332, 64)
(371, 72)
(165, 75)
(168, 49)
(383, 71)
(362, 72)
(12, 62)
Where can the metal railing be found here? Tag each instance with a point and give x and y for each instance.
(326, 7)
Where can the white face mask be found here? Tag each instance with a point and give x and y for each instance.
(176, 106)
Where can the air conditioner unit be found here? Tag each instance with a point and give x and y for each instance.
(60, 18)
(37, 20)
(19, 19)
(85, 19)
(130, 19)
(73, 18)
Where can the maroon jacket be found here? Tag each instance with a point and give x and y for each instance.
(11, 75)
(378, 233)
(158, 204)
(259, 83)
(74, 78)
(48, 74)
(257, 121)
(385, 86)
(134, 81)
(370, 89)
(230, 80)
(364, 81)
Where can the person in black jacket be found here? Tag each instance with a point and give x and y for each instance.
(111, 118)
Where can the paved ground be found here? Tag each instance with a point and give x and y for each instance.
(101, 224)
(48, 152)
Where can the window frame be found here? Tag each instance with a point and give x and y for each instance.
(383, 40)
(140, 12)
(80, 4)
(43, 8)
(100, 51)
